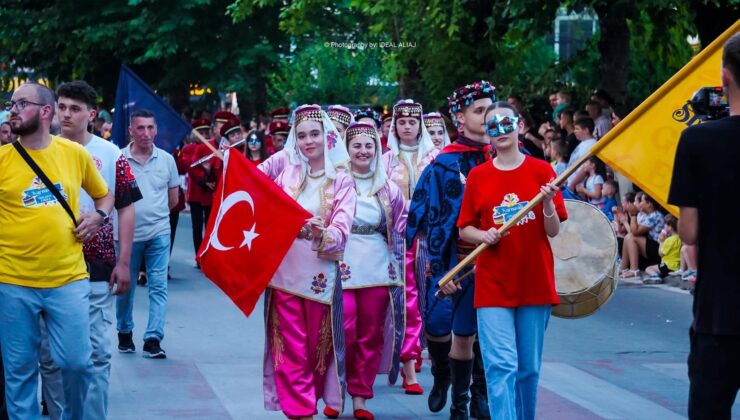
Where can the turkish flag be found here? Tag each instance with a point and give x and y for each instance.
(252, 225)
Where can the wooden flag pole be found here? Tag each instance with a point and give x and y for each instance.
(519, 216)
(202, 139)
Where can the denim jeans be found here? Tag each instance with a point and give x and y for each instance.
(511, 342)
(156, 254)
(52, 387)
(101, 320)
(65, 312)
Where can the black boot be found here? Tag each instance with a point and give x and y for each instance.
(461, 371)
(478, 391)
(440, 354)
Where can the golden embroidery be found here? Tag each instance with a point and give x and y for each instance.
(325, 343)
(385, 206)
(405, 180)
(277, 341)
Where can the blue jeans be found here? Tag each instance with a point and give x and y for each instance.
(65, 312)
(156, 253)
(101, 320)
(511, 342)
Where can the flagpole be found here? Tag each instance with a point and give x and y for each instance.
(517, 217)
(202, 139)
(603, 142)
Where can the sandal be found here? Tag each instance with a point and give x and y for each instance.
(631, 274)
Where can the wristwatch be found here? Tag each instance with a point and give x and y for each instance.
(103, 214)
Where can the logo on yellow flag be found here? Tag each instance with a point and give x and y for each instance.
(643, 146)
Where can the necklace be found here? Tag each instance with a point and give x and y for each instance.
(405, 148)
(362, 176)
(317, 174)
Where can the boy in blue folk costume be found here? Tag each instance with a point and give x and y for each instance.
(451, 323)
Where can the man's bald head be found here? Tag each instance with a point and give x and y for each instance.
(42, 94)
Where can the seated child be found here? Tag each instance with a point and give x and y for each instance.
(620, 222)
(609, 193)
(669, 250)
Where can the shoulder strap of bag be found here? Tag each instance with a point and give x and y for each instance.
(50, 185)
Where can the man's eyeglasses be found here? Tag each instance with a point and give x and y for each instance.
(21, 105)
(501, 125)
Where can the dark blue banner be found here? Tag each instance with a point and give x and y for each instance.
(132, 94)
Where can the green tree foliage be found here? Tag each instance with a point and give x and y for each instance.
(172, 44)
(639, 45)
(329, 75)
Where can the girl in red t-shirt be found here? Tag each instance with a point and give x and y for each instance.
(514, 276)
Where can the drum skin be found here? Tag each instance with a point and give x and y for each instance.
(585, 253)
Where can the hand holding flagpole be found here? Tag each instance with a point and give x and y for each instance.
(511, 223)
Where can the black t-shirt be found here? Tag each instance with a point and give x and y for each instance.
(530, 145)
(572, 142)
(706, 175)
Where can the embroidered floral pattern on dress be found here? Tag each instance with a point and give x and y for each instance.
(331, 138)
(392, 273)
(319, 284)
(344, 272)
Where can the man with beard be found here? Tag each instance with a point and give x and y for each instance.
(451, 324)
(43, 272)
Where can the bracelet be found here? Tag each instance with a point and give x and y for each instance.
(549, 216)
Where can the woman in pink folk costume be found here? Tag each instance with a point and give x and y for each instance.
(304, 343)
(435, 124)
(410, 151)
(371, 272)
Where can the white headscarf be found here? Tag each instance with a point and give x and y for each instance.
(335, 152)
(435, 119)
(426, 145)
(376, 166)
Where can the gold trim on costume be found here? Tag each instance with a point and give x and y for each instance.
(325, 343)
(277, 340)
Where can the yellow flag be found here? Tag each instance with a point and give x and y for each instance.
(642, 146)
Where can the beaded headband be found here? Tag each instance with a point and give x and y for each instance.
(339, 114)
(361, 129)
(463, 97)
(433, 119)
(309, 113)
(367, 113)
(407, 109)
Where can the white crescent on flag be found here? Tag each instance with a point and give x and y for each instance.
(228, 203)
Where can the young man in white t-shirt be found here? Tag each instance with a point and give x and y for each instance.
(108, 275)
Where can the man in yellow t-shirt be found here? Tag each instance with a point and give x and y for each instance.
(42, 268)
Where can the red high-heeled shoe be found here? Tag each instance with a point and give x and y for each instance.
(417, 366)
(364, 415)
(331, 413)
(412, 389)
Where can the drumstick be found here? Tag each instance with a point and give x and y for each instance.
(470, 259)
(458, 280)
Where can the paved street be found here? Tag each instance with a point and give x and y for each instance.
(625, 362)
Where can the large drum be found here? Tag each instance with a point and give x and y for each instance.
(585, 253)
